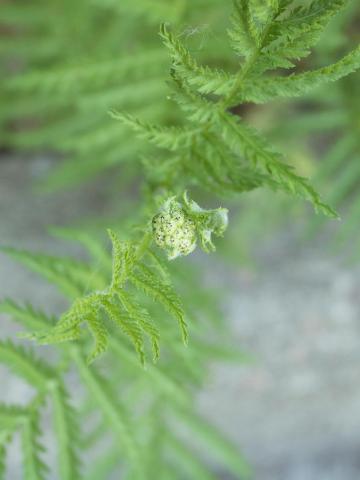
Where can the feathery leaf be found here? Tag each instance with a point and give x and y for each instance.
(34, 467)
(24, 364)
(144, 279)
(67, 432)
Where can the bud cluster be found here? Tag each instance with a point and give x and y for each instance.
(178, 226)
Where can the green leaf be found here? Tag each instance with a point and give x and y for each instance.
(11, 418)
(124, 257)
(144, 279)
(79, 77)
(299, 29)
(69, 322)
(144, 320)
(100, 334)
(248, 143)
(34, 467)
(67, 433)
(26, 315)
(241, 36)
(72, 277)
(263, 89)
(113, 413)
(24, 364)
(129, 326)
(157, 378)
(170, 138)
(207, 79)
(295, 85)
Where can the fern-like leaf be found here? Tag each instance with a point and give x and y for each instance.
(112, 412)
(72, 277)
(207, 79)
(34, 467)
(170, 138)
(26, 315)
(67, 432)
(295, 85)
(144, 319)
(11, 417)
(240, 33)
(157, 378)
(123, 260)
(118, 305)
(100, 334)
(75, 78)
(129, 325)
(24, 364)
(245, 141)
(145, 280)
(292, 35)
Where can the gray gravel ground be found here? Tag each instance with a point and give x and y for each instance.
(296, 412)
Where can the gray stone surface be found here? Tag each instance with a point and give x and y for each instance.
(295, 413)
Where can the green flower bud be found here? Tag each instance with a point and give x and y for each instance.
(173, 230)
(178, 226)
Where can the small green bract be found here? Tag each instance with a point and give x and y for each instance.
(177, 227)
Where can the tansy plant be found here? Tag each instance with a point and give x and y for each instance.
(135, 302)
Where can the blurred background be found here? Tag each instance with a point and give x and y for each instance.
(290, 279)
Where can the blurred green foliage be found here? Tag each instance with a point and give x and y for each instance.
(63, 66)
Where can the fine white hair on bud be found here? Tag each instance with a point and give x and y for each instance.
(179, 224)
